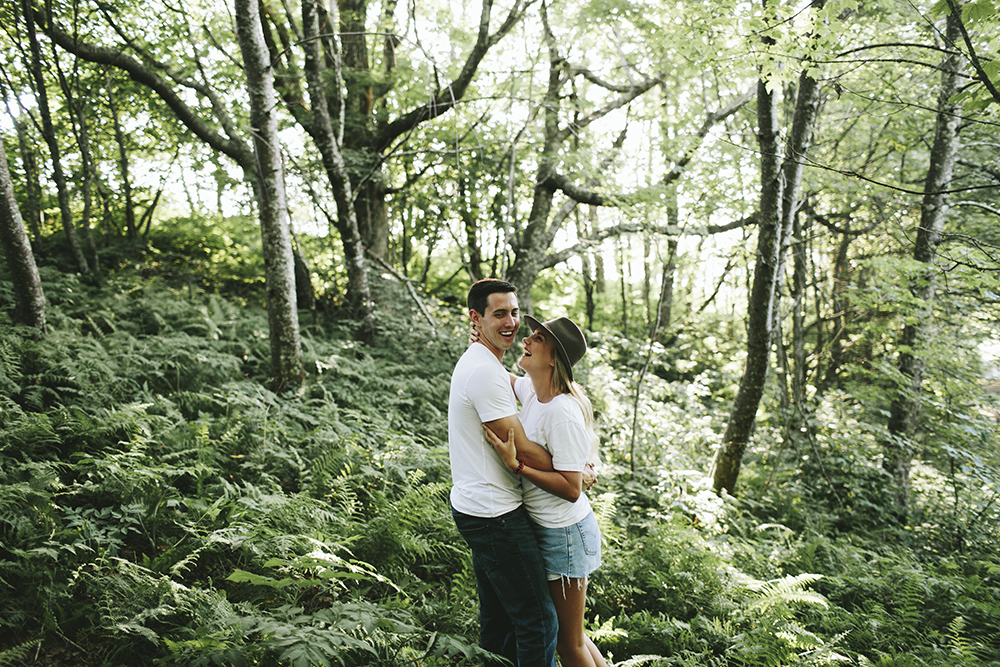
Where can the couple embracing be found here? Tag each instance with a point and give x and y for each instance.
(518, 478)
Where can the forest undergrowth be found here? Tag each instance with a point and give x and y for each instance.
(159, 506)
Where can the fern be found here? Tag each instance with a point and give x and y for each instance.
(781, 592)
(18, 655)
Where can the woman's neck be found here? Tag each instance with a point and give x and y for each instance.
(545, 390)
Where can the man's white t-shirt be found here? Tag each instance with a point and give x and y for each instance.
(557, 426)
(480, 392)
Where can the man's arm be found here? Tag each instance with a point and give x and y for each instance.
(564, 484)
(527, 451)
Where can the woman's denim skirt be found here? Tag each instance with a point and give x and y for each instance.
(573, 551)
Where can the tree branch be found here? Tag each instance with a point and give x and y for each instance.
(443, 99)
(238, 150)
(725, 112)
(617, 103)
(976, 204)
(992, 171)
(983, 76)
(634, 227)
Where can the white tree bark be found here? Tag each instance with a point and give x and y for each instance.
(279, 264)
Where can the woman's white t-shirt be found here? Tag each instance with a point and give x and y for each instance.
(558, 427)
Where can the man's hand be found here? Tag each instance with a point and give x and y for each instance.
(506, 450)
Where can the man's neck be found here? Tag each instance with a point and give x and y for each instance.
(497, 352)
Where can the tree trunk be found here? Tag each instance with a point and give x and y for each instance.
(467, 208)
(623, 266)
(359, 295)
(49, 133)
(279, 265)
(87, 185)
(780, 187)
(78, 110)
(904, 412)
(647, 279)
(583, 229)
(123, 167)
(32, 188)
(305, 296)
(760, 320)
(665, 305)
(803, 121)
(29, 300)
(841, 314)
(370, 208)
(666, 300)
(799, 273)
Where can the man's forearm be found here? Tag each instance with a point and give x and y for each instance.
(527, 451)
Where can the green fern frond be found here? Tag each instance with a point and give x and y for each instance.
(785, 590)
(17, 655)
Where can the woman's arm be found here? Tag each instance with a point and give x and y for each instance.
(564, 484)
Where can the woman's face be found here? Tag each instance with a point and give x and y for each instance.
(539, 351)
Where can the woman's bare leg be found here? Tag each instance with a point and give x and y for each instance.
(574, 647)
(595, 653)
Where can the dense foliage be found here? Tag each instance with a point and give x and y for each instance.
(159, 506)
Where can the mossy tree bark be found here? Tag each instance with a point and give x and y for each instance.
(898, 449)
(49, 134)
(29, 300)
(780, 187)
(322, 130)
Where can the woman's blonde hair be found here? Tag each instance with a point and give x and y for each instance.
(564, 385)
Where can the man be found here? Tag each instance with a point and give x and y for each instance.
(516, 616)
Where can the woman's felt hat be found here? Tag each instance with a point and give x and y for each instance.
(570, 343)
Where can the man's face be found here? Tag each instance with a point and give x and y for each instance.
(498, 325)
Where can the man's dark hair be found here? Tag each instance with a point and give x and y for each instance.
(479, 293)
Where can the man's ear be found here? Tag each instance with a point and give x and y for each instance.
(474, 316)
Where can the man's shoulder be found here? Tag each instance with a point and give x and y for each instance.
(476, 356)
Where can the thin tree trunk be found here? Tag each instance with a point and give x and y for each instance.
(359, 295)
(665, 311)
(760, 321)
(286, 351)
(905, 409)
(87, 169)
(622, 271)
(582, 230)
(123, 167)
(840, 320)
(780, 186)
(49, 133)
(82, 131)
(647, 279)
(803, 121)
(466, 202)
(32, 188)
(666, 301)
(29, 300)
(799, 274)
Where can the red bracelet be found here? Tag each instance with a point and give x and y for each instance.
(520, 467)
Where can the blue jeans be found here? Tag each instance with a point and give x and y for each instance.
(516, 616)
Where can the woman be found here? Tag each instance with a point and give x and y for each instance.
(557, 415)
